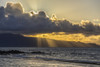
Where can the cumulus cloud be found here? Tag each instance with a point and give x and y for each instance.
(14, 19)
(13, 9)
(90, 27)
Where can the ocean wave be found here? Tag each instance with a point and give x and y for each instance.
(71, 61)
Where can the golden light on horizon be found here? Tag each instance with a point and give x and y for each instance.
(67, 37)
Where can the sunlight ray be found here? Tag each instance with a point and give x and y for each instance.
(39, 42)
(51, 43)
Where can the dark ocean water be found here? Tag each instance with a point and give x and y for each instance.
(51, 57)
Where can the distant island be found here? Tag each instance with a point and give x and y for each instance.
(17, 40)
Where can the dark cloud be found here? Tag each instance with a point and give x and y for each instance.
(90, 27)
(14, 9)
(14, 19)
(2, 13)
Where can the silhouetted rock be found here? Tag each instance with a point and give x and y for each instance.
(10, 52)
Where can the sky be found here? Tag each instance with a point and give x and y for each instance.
(72, 10)
(29, 17)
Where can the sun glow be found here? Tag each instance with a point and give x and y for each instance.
(30, 5)
(61, 36)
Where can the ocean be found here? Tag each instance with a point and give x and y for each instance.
(51, 57)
